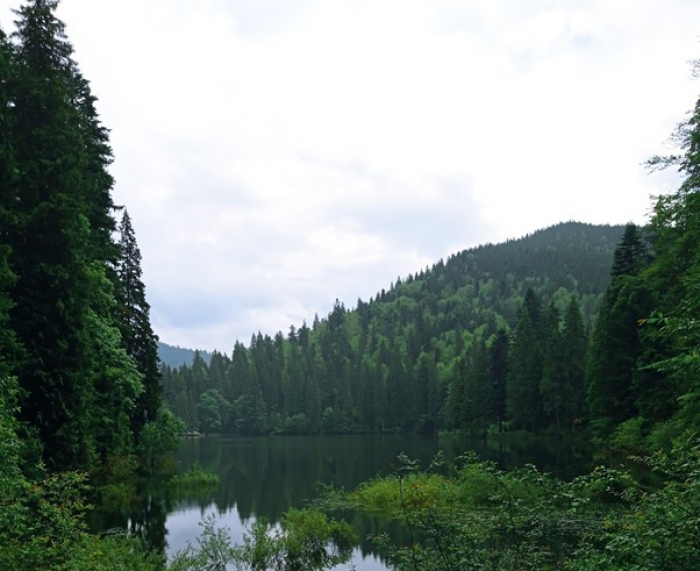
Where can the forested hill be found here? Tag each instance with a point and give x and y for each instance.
(488, 283)
(397, 361)
(174, 355)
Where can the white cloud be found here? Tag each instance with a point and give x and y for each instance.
(275, 156)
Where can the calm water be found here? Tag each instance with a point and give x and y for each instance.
(265, 476)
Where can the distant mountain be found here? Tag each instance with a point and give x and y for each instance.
(175, 356)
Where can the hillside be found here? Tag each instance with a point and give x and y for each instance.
(176, 356)
(393, 362)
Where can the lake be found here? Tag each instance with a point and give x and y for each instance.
(265, 476)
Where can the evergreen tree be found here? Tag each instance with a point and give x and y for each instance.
(573, 358)
(140, 342)
(552, 388)
(616, 344)
(8, 189)
(51, 240)
(456, 405)
(525, 366)
(253, 418)
(97, 182)
(478, 388)
(498, 371)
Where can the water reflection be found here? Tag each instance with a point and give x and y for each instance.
(265, 476)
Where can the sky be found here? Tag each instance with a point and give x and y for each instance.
(277, 155)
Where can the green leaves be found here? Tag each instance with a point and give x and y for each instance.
(306, 540)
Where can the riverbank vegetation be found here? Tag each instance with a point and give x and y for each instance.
(80, 386)
(575, 327)
(195, 477)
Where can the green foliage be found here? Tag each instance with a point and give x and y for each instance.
(475, 517)
(659, 529)
(628, 435)
(195, 477)
(214, 411)
(60, 330)
(405, 360)
(304, 540)
(42, 517)
(137, 336)
(617, 343)
(159, 437)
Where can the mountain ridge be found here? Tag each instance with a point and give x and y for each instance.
(400, 361)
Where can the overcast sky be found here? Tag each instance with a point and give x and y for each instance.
(275, 155)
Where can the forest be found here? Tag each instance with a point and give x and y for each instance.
(429, 354)
(574, 328)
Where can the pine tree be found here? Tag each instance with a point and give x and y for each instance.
(525, 366)
(50, 241)
(8, 187)
(616, 344)
(97, 181)
(552, 383)
(140, 342)
(498, 372)
(253, 419)
(573, 358)
(478, 389)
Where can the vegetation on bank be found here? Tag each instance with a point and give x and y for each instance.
(494, 337)
(474, 516)
(194, 477)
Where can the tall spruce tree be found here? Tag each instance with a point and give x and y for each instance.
(616, 345)
(252, 410)
(525, 367)
(573, 358)
(551, 383)
(50, 242)
(140, 342)
(7, 193)
(498, 373)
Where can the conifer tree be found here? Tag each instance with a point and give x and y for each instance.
(573, 358)
(525, 366)
(498, 372)
(552, 382)
(616, 345)
(7, 192)
(51, 240)
(478, 388)
(140, 342)
(253, 419)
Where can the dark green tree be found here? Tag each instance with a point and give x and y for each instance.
(573, 358)
(498, 371)
(140, 342)
(616, 345)
(523, 401)
(8, 188)
(674, 277)
(552, 388)
(51, 240)
(479, 389)
(214, 410)
(253, 418)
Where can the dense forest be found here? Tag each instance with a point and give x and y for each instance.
(576, 327)
(76, 337)
(430, 353)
